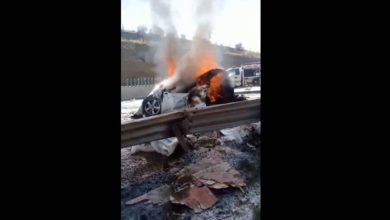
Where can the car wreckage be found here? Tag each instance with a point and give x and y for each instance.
(198, 95)
(211, 88)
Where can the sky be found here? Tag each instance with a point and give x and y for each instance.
(235, 21)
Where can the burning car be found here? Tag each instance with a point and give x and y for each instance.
(163, 102)
(212, 87)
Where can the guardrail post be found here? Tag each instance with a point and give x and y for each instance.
(180, 137)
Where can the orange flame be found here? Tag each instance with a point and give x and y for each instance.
(203, 58)
(206, 63)
(171, 65)
(214, 89)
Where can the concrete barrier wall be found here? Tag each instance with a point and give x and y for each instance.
(135, 92)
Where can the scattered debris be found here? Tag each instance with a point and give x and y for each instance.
(191, 187)
(185, 178)
(224, 150)
(212, 134)
(208, 140)
(176, 162)
(205, 141)
(197, 198)
(250, 145)
(240, 133)
(254, 138)
(173, 170)
(135, 168)
(158, 196)
(256, 127)
(175, 166)
(165, 146)
(192, 139)
(214, 174)
(220, 176)
(193, 168)
(236, 134)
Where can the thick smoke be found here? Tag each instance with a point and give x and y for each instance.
(202, 55)
(162, 15)
(168, 48)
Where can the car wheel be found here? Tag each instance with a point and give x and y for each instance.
(151, 106)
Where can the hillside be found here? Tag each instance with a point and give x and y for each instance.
(137, 57)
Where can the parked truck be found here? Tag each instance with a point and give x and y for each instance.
(246, 74)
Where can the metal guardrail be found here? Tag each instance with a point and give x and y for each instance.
(247, 92)
(190, 121)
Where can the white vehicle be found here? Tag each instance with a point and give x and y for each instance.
(164, 102)
(248, 74)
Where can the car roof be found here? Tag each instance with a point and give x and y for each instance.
(251, 66)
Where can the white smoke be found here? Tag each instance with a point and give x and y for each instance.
(201, 47)
(169, 45)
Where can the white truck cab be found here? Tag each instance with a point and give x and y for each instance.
(247, 74)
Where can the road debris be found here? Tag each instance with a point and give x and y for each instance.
(192, 183)
(236, 134)
(240, 133)
(197, 198)
(187, 176)
(212, 173)
(165, 146)
(158, 196)
(250, 145)
(257, 127)
(207, 142)
(224, 150)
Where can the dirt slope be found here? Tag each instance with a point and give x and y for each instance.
(137, 59)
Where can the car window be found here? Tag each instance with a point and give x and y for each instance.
(249, 72)
(231, 72)
(237, 72)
